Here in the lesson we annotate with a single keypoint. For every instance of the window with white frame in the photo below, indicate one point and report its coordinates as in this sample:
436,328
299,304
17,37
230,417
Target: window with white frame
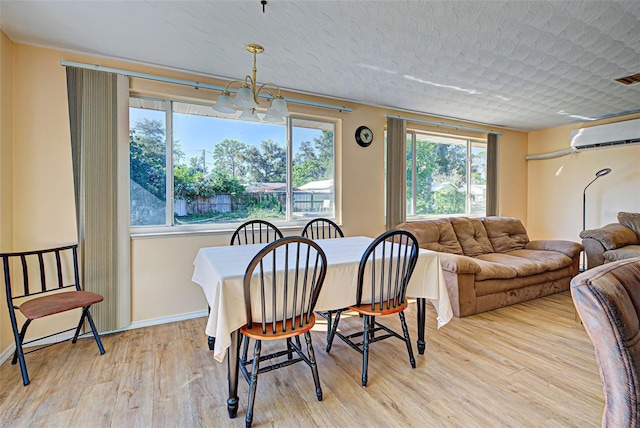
192,167
445,175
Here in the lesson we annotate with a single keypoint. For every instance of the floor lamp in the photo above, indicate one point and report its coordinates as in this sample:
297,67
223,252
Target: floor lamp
599,174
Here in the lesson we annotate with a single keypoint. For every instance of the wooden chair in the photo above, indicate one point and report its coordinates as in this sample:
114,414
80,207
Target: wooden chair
281,307
322,228
383,277
34,283
251,232
255,232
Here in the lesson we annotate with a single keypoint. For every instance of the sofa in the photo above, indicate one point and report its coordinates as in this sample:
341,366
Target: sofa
489,262
615,241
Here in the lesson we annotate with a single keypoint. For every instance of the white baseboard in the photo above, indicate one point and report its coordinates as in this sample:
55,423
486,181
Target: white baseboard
8,353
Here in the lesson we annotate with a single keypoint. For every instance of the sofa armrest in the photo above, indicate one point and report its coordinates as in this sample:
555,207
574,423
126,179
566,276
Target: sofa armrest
458,264
594,251
612,236
569,248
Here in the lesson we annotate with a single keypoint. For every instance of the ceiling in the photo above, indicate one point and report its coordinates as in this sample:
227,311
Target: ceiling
524,65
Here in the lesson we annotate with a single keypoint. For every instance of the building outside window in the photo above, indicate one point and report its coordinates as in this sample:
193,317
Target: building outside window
446,176
192,167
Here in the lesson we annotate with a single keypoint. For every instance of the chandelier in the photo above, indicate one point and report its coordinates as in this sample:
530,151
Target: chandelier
246,98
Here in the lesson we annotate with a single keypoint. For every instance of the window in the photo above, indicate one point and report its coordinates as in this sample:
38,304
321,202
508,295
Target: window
193,167
445,175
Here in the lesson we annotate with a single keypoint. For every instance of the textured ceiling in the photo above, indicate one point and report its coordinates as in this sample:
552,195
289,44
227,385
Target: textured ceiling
520,64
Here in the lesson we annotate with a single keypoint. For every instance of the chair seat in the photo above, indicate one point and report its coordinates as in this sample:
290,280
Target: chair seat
56,303
255,332
365,309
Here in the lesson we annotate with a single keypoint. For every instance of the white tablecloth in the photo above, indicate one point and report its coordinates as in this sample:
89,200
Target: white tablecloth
220,271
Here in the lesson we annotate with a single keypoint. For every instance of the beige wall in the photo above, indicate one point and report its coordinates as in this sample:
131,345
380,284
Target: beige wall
556,185
161,267
6,172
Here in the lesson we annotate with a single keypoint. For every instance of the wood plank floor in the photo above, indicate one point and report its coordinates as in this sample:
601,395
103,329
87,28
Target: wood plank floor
528,365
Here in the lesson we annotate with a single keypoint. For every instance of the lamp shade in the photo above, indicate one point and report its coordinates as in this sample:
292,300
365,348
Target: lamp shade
244,98
224,104
249,115
278,107
273,118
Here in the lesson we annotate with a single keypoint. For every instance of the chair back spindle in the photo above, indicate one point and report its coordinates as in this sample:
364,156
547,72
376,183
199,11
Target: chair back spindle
385,269
322,228
289,274
255,232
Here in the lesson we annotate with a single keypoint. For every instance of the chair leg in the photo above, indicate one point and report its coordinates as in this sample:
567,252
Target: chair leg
365,349
289,349
253,382
332,332
77,333
407,340
245,348
23,332
96,336
329,316
314,365
372,330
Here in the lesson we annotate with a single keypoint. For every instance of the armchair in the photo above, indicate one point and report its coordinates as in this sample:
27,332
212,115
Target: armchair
615,241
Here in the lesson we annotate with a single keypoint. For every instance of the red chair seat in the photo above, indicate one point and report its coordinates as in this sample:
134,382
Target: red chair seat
56,303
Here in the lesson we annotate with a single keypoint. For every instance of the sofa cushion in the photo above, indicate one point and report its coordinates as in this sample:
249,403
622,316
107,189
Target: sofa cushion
471,235
522,266
611,236
631,220
435,235
505,233
553,259
628,252
492,270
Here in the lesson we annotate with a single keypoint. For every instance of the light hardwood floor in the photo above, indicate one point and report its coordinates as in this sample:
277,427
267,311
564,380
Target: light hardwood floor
528,365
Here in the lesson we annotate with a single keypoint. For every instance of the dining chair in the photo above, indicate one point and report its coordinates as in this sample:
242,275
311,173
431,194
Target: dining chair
281,306
255,232
383,276
322,228
43,283
250,232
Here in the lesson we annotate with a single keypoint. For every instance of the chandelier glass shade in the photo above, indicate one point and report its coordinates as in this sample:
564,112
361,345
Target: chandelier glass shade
246,97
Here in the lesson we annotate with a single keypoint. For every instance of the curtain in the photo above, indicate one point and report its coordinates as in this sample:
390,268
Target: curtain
492,175
396,210
98,116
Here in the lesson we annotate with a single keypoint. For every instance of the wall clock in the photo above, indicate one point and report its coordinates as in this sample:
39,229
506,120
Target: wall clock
364,136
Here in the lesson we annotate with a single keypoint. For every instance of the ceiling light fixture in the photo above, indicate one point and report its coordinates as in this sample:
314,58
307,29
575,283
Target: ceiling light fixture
246,98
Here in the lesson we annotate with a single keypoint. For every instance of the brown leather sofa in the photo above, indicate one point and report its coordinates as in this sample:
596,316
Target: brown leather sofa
490,263
607,299
615,241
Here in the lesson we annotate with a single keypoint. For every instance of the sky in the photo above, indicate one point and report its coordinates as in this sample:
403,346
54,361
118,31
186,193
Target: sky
196,133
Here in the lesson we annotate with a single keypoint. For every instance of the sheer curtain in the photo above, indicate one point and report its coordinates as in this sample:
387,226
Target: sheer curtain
98,116
492,175
396,211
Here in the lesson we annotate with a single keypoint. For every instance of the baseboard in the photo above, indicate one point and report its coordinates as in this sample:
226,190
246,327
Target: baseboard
8,353
162,320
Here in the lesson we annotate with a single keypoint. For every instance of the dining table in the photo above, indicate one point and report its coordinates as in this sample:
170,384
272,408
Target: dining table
220,272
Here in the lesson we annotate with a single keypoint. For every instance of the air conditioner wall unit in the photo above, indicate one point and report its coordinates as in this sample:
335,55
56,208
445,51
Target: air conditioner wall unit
611,134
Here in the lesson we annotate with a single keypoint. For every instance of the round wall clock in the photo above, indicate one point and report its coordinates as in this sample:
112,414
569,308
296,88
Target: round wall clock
364,136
